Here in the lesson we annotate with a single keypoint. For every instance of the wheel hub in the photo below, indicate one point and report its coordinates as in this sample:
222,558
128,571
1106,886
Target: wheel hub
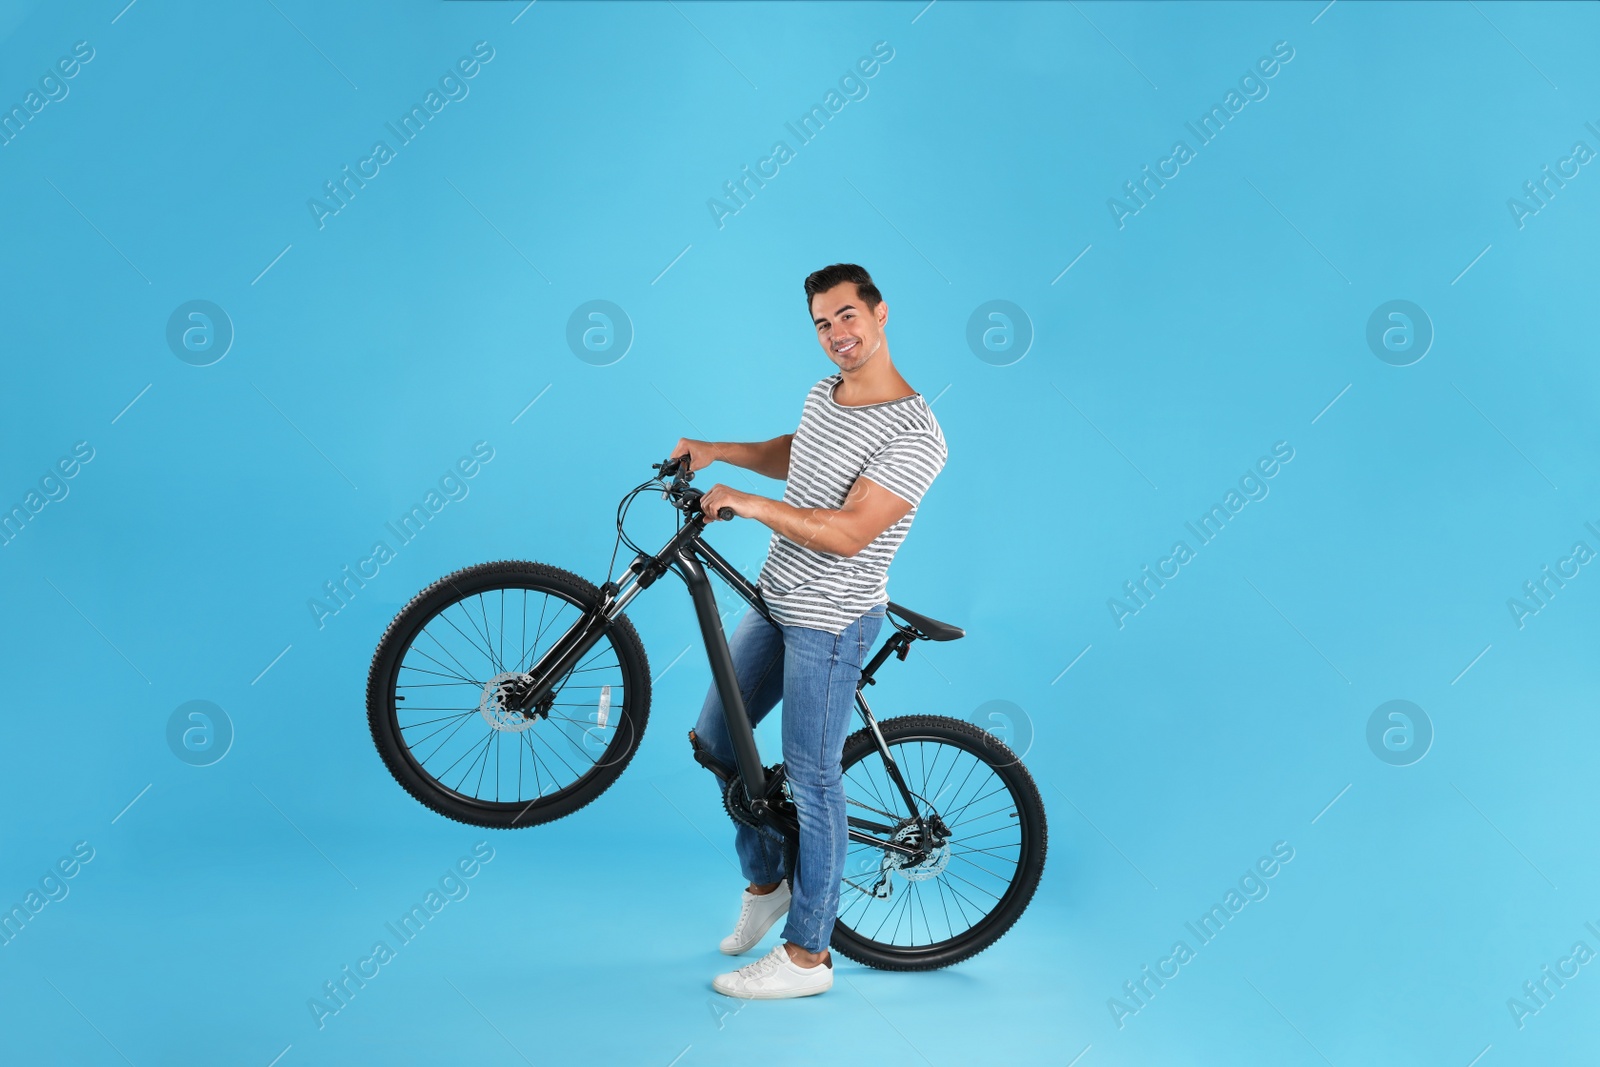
500,695
934,850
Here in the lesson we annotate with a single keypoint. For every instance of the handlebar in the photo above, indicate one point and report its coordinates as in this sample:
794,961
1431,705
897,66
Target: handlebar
677,468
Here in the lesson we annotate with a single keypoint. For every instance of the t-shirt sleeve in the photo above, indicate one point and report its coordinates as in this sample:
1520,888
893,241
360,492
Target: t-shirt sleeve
907,464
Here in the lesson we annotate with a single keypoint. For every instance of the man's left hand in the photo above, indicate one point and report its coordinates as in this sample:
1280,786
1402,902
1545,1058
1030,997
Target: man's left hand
743,504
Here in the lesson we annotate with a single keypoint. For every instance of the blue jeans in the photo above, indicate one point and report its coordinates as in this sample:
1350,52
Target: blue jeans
814,673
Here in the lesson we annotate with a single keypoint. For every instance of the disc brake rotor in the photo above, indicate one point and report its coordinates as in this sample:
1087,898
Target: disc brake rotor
498,693
932,864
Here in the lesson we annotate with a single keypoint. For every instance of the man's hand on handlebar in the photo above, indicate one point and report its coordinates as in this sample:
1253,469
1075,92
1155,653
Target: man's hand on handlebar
701,453
721,497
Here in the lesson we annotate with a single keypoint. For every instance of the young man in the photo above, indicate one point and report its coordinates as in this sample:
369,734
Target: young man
865,452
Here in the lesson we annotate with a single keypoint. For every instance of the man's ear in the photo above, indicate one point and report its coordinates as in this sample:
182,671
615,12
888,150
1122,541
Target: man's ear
883,313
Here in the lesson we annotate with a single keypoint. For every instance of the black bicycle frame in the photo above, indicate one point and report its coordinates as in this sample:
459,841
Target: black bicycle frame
689,556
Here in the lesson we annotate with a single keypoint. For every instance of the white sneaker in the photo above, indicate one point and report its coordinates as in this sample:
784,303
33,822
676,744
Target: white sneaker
775,976
756,916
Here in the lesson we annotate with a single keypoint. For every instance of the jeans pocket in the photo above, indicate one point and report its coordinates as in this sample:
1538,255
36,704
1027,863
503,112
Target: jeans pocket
873,621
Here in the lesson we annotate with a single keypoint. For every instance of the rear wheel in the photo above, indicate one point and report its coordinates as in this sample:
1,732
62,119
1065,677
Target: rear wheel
981,842
442,680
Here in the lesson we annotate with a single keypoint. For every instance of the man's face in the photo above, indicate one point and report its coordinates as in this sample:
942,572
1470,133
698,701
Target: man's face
846,330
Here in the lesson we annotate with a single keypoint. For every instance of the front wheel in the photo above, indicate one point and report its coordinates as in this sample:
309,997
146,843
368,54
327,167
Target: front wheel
981,861
441,687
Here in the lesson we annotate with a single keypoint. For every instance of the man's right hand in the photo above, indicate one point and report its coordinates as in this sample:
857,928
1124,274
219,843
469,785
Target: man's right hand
701,453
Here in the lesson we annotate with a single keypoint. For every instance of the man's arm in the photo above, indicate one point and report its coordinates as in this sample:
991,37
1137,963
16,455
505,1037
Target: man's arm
868,510
769,458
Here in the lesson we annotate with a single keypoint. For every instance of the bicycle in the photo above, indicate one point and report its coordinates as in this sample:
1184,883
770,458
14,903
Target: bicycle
947,828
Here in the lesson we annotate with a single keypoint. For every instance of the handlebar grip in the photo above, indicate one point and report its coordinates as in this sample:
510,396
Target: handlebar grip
724,513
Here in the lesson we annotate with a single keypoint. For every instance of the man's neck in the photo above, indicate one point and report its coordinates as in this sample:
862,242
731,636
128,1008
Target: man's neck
873,382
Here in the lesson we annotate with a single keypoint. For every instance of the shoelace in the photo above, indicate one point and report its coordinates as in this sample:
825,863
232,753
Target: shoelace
744,916
764,966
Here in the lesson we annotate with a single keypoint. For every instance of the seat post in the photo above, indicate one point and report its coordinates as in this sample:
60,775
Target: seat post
897,641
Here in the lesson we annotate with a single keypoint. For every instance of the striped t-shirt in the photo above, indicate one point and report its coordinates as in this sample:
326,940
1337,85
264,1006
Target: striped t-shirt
899,445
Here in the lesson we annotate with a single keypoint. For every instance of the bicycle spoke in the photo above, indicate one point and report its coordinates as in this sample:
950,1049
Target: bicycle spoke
973,884
876,811
870,784
533,653
488,743
916,891
877,794
954,851
537,777
944,904
444,615
522,642
413,744
468,752
893,908
986,833
428,632
958,812
558,756
447,672
427,722
970,771
488,636
981,867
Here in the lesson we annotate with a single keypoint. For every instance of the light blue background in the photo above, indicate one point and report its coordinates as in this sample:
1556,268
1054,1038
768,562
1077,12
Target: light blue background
425,316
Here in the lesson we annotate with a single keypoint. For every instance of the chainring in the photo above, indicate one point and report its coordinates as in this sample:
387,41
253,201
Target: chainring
738,805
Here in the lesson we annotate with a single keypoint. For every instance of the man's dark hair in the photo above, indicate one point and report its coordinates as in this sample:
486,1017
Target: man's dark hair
828,277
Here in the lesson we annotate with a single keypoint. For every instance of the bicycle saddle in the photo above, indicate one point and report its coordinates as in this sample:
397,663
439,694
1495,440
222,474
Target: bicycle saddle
932,629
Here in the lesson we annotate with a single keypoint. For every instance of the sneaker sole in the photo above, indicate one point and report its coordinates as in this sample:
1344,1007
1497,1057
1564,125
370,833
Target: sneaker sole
787,995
